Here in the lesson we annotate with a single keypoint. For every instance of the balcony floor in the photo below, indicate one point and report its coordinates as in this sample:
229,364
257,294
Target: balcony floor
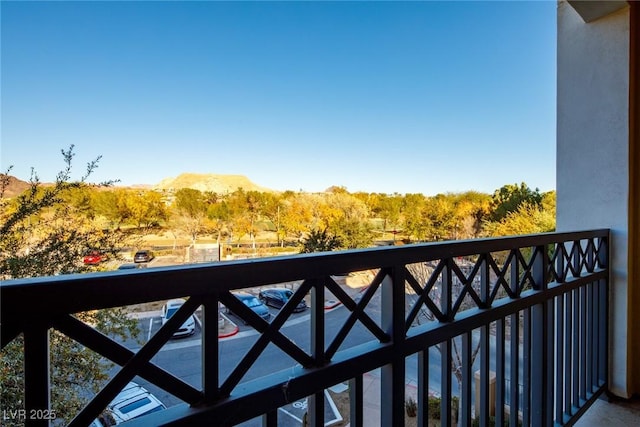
616,412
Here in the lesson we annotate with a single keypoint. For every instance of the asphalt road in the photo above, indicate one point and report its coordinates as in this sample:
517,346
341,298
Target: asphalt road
183,356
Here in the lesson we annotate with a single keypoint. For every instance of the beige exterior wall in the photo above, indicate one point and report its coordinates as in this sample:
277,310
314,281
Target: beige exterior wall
593,151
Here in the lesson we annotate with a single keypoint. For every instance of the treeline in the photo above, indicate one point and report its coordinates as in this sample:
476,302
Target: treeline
349,220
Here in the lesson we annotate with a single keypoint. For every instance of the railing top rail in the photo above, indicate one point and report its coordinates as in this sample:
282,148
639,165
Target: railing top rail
64,294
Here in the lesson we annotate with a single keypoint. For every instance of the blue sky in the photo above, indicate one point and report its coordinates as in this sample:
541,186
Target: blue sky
407,97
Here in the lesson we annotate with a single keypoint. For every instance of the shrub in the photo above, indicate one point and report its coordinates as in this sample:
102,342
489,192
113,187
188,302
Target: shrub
434,408
411,406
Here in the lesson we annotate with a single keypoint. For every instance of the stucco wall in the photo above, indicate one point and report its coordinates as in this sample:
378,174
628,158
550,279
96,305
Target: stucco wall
592,149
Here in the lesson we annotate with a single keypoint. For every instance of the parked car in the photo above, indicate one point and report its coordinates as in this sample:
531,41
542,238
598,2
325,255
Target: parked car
254,304
143,256
132,402
131,266
278,297
94,258
189,325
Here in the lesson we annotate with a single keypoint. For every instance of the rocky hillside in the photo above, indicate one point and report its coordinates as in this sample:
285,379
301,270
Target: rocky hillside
15,186
209,182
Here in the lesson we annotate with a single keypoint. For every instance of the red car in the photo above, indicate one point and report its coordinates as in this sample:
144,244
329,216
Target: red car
94,257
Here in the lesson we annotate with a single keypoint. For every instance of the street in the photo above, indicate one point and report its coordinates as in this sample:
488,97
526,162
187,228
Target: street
183,356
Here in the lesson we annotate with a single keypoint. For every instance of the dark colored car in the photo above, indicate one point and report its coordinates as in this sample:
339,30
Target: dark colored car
131,266
94,258
278,297
143,256
254,304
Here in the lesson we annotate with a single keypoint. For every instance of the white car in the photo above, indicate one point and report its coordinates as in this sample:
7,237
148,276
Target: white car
189,325
132,402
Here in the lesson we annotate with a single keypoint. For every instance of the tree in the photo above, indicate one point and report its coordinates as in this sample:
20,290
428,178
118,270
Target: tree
271,209
320,241
353,233
528,219
413,208
42,234
189,212
389,209
471,208
296,215
146,209
508,198
219,217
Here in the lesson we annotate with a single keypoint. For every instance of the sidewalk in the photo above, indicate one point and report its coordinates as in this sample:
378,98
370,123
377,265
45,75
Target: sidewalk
371,398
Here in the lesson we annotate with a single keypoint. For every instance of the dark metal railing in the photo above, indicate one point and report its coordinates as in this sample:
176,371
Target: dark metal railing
527,316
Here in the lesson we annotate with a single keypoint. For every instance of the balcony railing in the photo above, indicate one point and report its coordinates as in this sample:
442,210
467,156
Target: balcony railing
532,308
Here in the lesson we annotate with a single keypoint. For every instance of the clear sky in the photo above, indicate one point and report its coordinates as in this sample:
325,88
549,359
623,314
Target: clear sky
407,97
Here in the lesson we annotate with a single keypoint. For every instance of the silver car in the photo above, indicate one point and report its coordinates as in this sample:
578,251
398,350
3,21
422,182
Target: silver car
189,325
132,402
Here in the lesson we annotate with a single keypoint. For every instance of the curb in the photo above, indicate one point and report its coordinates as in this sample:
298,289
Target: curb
329,304
150,314
229,334
235,331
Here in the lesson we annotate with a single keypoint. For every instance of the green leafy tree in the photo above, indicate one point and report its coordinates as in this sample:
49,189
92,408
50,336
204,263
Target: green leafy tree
508,198
353,233
320,241
41,234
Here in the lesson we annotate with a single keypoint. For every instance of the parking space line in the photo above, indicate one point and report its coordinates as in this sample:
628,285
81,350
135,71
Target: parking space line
150,326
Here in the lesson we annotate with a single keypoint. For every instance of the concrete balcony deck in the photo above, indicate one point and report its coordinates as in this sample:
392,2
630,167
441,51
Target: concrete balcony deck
613,412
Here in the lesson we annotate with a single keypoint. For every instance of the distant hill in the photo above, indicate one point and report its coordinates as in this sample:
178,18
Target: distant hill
15,187
221,184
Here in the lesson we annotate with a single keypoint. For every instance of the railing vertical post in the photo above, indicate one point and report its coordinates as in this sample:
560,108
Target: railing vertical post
393,374
37,397
559,368
445,382
526,367
568,374
575,345
423,387
591,349
603,348
467,378
315,408
270,419
514,374
542,392
500,371
485,284
603,301
355,401
210,352
316,401
317,322
446,355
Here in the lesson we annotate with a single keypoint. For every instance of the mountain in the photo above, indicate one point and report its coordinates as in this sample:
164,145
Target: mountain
15,186
221,184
